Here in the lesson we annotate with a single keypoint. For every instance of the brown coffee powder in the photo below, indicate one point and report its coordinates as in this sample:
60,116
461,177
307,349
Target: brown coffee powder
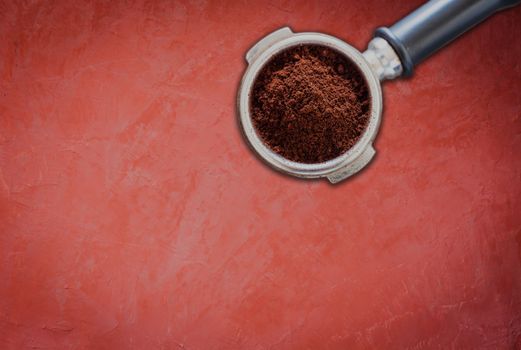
310,104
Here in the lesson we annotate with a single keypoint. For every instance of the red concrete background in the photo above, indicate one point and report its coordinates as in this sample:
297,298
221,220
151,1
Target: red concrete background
133,216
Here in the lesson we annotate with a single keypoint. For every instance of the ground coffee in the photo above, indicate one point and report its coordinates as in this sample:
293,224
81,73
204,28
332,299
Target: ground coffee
310,104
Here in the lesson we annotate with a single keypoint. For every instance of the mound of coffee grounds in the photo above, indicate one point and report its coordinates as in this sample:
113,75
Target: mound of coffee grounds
310,104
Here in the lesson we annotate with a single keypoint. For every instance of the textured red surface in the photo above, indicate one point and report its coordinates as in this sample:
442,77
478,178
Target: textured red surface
132,214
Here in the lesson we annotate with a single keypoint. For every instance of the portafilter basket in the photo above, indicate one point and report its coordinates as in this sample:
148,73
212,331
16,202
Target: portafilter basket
392,53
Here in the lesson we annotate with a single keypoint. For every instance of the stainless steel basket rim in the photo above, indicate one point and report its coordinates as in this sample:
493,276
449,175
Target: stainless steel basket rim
304,169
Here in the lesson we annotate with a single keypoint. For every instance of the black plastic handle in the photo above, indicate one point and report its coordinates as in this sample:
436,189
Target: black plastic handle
434,25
